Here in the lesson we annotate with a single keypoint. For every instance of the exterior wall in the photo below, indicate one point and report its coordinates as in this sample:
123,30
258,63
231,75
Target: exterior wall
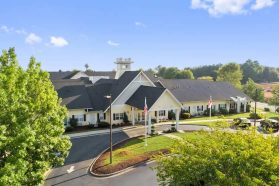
193,106
94,79
79,75
130,90
91,117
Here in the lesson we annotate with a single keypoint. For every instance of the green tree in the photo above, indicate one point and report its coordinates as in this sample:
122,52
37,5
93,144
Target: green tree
275,96
206,70
221,158
269,74
251,69
185,74
253,91
31,123
230,73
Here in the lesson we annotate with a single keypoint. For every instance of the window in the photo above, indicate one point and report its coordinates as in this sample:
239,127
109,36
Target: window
80,118
200,108
162,113
118,116
222,106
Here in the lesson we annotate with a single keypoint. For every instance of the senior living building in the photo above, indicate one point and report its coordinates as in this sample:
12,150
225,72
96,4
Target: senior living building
88,95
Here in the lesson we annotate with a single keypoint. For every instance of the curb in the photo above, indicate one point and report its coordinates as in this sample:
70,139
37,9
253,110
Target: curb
117,172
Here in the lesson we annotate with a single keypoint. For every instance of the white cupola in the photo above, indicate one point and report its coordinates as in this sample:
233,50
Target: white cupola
123,64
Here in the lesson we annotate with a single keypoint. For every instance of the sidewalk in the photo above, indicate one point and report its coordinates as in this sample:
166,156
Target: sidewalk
103,131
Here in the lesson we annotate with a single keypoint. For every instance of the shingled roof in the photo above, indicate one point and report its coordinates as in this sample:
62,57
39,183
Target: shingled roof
200,90
80,93
151,94
73,93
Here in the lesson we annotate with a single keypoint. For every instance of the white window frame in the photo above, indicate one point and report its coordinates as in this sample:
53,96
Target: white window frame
161,113
80,118
118,116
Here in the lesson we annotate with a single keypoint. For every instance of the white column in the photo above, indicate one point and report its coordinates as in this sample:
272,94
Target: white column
238,105
133,115
177,112
245,104
149,123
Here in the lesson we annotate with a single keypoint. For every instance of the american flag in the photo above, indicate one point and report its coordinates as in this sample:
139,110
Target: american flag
210,102
145,106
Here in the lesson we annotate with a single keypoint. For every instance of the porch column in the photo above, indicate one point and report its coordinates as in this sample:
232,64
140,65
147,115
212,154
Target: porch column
133,116
149,123
238,105
177,112
245,104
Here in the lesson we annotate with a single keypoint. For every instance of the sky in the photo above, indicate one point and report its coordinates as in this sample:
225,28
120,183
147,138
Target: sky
67,34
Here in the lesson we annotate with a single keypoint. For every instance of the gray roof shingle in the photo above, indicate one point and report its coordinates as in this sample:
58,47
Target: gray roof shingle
151,93
73,93
200,90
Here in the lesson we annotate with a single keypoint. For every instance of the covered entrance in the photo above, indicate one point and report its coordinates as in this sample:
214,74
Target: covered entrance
159,102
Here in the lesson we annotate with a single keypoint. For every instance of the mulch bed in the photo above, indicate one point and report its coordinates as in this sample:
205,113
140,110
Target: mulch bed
101,168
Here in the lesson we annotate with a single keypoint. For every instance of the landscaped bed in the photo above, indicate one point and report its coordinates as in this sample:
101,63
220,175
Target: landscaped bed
133,152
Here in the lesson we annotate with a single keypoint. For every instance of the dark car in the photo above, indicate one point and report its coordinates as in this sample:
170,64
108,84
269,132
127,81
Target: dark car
242,123
270,125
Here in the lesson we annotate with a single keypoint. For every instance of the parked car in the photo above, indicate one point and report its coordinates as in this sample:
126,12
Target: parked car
242,123
270,125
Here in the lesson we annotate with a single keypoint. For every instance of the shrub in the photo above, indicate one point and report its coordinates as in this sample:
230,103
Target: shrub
223,111
277,109
241,123
91,126
213,112
152,130
69,129
232,111
171,115
73,122
270,126
153,120
221,158
185,115
103,124
267,109
125,118
248,108
172,129
258,115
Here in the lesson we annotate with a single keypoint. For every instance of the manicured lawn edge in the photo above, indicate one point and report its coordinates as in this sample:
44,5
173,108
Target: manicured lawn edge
126,169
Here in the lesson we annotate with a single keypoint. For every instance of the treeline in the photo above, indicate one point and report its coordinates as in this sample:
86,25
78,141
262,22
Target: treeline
250,69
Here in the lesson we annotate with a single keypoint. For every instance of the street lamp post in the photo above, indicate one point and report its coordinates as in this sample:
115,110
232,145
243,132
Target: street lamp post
255,115
110,133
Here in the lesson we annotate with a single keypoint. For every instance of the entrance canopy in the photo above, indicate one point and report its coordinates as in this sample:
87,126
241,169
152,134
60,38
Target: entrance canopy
157,98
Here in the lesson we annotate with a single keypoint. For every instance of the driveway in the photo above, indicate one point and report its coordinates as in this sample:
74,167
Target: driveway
85,149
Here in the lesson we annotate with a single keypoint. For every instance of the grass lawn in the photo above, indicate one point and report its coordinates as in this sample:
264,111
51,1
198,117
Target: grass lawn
134,151
136,147
231,116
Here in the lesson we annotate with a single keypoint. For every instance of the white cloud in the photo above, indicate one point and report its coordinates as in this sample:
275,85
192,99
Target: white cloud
21,31
111,43
33,39
140,24
58,41
234,7
6,29
259,4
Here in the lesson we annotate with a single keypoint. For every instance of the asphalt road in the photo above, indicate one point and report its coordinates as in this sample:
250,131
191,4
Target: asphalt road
85,149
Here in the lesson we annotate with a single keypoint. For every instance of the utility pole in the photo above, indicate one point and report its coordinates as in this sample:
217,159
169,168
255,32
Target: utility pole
110,132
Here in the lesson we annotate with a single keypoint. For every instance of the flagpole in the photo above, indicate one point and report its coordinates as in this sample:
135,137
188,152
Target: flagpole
145,118
210,107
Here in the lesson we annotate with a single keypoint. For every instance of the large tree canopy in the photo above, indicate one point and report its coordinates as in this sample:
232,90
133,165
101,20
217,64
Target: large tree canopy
275,97
31,123
221,158
230,73
253,91
251,69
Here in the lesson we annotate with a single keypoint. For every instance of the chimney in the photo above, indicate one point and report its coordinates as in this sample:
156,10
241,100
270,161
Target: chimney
122,65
